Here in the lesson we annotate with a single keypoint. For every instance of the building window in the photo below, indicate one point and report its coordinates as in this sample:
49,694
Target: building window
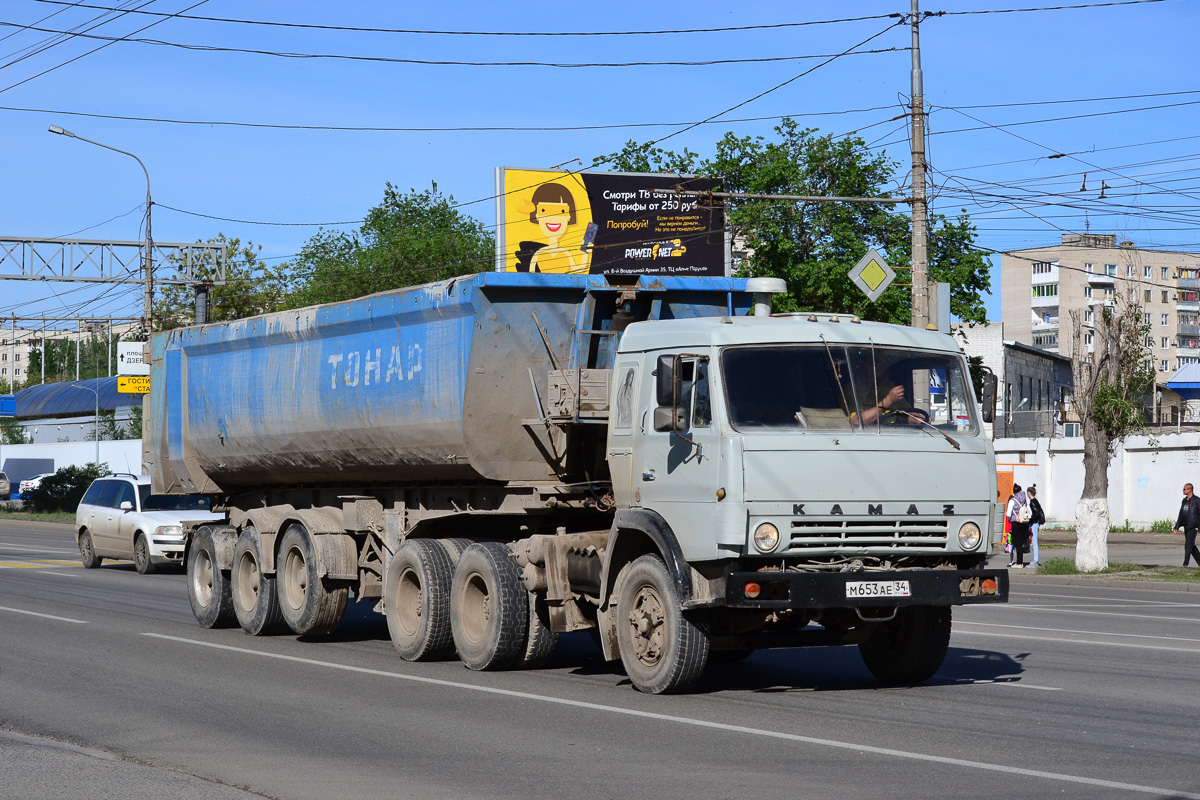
1129,270
1110,270
1162,366
1087,268
1164,273
1147,316
1087,338
1087,291
1109,293
1042,267
1146,272
16,372
1164,343
1087,317
1147,295
16,356
1164,295
1048,290
1164,320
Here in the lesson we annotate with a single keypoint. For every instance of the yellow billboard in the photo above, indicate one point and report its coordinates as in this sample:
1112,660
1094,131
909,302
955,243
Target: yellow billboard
133,384
547,215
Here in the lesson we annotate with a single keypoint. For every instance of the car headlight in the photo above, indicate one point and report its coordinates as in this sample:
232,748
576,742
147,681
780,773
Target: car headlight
969,536
766,537
174,531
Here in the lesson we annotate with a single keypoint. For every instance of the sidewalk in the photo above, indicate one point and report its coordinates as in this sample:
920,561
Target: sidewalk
1148,549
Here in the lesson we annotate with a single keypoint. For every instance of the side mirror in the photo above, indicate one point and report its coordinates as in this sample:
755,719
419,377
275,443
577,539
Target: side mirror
667,418
126,505
664,387
989,398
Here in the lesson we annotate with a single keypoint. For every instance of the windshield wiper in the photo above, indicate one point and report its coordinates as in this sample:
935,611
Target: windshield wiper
931,427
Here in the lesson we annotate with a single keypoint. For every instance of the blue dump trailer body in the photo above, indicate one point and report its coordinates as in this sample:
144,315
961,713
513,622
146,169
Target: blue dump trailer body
428,383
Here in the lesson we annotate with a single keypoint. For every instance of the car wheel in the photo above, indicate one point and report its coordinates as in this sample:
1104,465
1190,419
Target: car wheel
141,555
87,550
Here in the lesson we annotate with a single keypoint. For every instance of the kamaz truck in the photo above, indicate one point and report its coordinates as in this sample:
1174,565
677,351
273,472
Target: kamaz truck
493,460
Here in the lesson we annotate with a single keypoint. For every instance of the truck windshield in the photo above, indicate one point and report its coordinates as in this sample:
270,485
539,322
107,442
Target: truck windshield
846,388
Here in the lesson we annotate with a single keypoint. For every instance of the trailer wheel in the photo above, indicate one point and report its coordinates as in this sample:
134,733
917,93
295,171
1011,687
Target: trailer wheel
141,555
489,608
540,641
255,602
663,652
310,607
208,587
454,549
416,601
910,648
87,550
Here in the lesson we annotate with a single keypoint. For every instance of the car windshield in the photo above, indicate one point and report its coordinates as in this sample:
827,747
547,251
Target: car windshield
171,502
846,388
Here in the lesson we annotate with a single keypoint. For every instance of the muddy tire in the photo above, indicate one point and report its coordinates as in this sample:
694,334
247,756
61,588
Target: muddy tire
454,549
539,639
489,608
416,601
910,648
255,600
208,587
311,607
141,555
87,550
663,652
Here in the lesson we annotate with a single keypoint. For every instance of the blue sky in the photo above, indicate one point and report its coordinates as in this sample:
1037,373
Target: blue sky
983,74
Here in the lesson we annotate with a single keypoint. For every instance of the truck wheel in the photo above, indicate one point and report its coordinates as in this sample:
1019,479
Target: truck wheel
310,608
663,652
539,640
489,608
87,550
208,587
255,602
141,555
416,601
910,648
454,549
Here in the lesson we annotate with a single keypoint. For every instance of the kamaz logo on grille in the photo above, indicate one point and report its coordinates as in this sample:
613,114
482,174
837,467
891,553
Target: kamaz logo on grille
873,509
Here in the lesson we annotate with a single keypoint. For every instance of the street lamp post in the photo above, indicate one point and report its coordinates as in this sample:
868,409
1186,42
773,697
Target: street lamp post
97,432
148,256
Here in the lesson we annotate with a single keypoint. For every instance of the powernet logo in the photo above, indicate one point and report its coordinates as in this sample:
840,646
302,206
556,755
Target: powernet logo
656,250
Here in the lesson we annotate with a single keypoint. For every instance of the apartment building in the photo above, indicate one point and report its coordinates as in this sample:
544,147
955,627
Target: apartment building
17,343
1041,287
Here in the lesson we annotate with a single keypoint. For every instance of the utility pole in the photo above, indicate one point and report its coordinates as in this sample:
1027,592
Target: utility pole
920,209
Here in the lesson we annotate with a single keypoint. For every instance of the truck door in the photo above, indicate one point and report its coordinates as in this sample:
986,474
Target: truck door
680,466
625,414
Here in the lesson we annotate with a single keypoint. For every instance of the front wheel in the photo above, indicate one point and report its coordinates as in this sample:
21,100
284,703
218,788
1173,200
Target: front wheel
663,652
910,648
141,555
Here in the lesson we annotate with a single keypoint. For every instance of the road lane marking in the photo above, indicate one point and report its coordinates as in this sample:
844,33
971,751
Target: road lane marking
44,616
701,723
1089,597
37,564
1080,641
4,547
1008,607
60,574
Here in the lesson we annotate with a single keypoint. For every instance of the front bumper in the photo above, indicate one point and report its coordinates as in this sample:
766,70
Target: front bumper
925,587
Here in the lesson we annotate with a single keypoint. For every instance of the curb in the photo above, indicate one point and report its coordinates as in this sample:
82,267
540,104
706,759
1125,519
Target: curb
1103,581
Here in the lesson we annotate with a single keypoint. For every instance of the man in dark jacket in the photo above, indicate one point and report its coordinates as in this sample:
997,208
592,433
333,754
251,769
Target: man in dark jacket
1189,522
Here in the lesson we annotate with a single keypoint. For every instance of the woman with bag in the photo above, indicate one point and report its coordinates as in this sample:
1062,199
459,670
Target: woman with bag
1019,516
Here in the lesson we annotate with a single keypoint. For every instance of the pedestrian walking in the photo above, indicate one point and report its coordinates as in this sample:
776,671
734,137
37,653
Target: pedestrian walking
1189,523
1037,519
1019,516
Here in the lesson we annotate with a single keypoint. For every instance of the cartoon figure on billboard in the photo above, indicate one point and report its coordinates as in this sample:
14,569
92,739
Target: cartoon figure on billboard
552,209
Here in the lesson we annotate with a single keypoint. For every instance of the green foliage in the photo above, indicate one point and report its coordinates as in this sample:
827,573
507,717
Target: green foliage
97,357
1063,566
1162,526
110,429
409,238
12,432
978,373
251,287
1126,528
813,246
135,422
63,490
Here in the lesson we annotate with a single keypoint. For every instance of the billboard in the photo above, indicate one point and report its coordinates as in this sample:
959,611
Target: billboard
607,223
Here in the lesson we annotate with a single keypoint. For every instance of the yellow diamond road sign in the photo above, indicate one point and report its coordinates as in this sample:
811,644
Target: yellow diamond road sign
133,384
873,275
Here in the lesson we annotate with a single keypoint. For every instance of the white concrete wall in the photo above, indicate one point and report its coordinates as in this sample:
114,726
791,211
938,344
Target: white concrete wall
1145,477
20,461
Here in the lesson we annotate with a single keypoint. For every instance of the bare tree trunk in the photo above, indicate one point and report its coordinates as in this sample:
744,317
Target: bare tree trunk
1092,522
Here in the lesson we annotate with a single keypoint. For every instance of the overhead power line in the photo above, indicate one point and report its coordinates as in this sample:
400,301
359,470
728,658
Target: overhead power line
208,48
413,31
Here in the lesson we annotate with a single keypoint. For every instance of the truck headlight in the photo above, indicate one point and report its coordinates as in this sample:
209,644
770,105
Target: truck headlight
171,531
969,536
766,537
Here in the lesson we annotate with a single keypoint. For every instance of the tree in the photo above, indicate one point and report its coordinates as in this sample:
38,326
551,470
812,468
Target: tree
251,287
1111,386
12,432
409,238
63,490
96,356
135,421
813,246
110,429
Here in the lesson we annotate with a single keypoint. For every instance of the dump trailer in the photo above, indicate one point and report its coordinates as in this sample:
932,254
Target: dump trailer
496,459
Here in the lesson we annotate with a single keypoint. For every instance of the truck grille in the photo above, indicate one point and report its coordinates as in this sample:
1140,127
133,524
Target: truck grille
875,534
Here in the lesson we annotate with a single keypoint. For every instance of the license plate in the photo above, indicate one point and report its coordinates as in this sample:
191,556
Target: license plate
878,589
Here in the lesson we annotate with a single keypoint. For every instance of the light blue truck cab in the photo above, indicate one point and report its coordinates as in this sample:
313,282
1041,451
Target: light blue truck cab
499,458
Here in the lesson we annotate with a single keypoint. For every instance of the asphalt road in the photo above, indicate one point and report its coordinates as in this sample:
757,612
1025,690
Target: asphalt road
1072,692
